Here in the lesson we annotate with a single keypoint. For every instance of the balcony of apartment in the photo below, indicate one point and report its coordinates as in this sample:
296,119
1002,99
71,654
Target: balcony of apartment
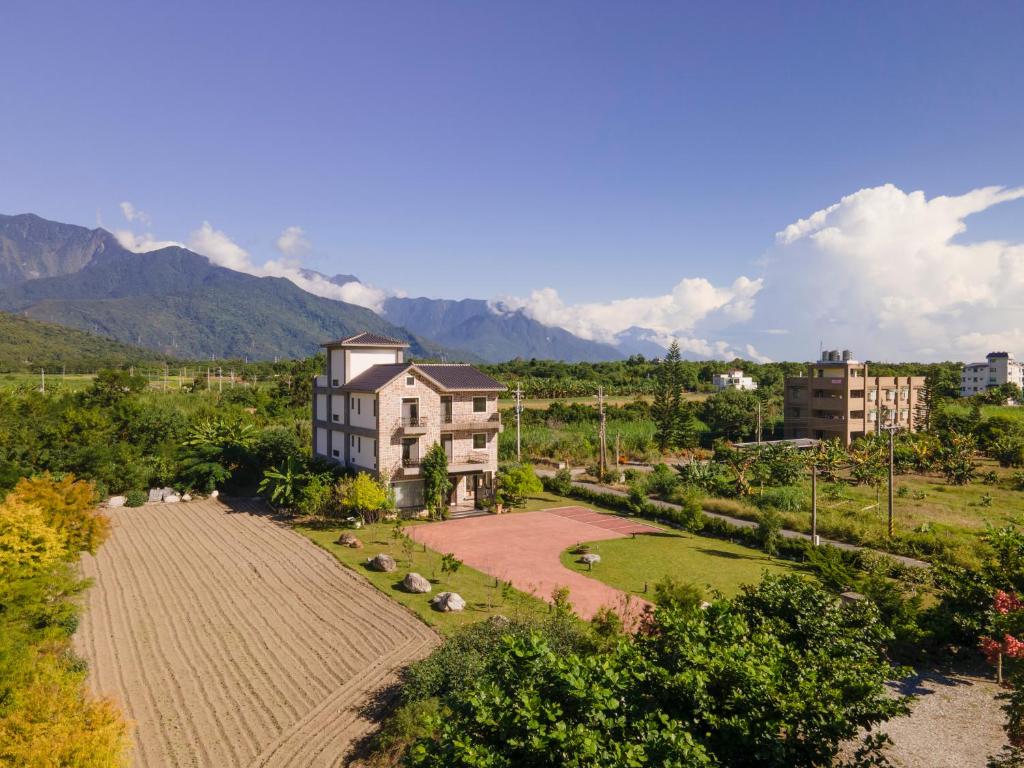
411,425
410,467
474,461
478,422
831,416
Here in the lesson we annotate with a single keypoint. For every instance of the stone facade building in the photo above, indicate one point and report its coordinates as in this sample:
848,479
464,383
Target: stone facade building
373,412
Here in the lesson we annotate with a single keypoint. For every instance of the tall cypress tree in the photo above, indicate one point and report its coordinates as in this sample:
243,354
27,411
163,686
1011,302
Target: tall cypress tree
667,408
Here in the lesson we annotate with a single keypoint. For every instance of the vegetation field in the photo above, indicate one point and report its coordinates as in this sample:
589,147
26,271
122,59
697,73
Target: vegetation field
636,564
484,596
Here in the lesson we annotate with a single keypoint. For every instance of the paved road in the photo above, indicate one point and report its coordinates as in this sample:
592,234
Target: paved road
739,521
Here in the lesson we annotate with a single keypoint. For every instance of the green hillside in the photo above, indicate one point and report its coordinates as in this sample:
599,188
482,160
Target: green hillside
28,345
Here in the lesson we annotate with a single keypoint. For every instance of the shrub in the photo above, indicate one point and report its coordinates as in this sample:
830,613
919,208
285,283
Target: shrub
317,497
364,496
784,499
673,594
69,506
516,482
135,498
561,483
662,481
769,525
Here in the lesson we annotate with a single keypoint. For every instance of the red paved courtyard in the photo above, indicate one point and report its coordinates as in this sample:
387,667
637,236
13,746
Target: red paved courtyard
524,548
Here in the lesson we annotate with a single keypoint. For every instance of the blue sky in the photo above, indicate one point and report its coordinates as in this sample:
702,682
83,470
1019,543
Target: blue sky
604,150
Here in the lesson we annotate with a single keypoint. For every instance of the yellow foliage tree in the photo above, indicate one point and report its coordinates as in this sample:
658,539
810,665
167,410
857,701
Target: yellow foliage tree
69,506
27,544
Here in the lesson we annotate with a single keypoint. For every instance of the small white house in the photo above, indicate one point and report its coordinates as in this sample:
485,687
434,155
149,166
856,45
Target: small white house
999,368
733,380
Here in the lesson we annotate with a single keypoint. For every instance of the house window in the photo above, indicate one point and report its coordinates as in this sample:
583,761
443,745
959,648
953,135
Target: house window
336,416
479,404
359,444
334,382
375,407
479,440
410,381
336,453
353,440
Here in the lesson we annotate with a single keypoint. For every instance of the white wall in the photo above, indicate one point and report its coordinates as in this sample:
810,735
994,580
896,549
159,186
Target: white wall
338,409
338,439
362,452
361,359
360,411
321,441
337,367
321,407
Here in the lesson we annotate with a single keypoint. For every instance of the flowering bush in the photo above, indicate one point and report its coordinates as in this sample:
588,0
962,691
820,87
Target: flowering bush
1005,651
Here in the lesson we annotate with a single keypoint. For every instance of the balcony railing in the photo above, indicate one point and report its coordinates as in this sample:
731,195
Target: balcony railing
411,462
476,420
412,425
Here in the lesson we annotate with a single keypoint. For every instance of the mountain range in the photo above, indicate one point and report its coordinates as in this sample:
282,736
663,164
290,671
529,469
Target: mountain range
178,303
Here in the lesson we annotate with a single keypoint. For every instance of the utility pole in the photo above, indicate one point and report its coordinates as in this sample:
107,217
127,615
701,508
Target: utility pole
603,461
892,428
207,378
814,503
617,453
519,410
758,423
220,379
42,380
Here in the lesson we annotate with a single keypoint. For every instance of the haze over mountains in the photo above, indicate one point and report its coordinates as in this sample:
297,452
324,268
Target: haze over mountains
177,302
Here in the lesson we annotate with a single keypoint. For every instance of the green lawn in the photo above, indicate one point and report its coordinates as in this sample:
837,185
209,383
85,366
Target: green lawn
712,564
930,516
483,598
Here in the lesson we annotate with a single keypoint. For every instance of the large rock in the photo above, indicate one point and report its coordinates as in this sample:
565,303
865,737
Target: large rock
172,498
156,494
448,601
186,497
116,501
590,559
348,540
413,582
382,562
165,492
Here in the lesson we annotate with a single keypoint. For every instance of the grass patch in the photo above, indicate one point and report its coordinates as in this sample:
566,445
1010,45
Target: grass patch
483,597
713,564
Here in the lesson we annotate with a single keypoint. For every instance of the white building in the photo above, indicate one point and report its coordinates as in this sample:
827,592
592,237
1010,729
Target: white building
733,380
999,368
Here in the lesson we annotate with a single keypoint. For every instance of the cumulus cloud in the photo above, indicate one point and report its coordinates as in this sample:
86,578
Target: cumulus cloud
882,272
292,243
674,314
141,243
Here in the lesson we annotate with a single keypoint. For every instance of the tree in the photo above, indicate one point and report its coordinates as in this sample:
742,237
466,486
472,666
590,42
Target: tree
436,485
957,458
28,545
731,414
364,496
516,482
68,506
283,486
667,408
112,386
750,681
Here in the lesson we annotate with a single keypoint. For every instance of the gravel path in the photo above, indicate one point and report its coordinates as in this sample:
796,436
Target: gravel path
232,641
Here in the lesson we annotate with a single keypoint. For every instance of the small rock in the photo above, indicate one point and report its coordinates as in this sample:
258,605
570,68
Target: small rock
214,494
448,601
172,498
390,517
116,501
348,540
186,497
156,494
413,582
382,562
422,514
590,559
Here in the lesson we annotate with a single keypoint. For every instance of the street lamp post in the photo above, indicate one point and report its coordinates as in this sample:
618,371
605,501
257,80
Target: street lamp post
892,428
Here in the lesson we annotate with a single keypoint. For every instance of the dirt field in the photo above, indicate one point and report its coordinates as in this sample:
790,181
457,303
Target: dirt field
232,641
524,548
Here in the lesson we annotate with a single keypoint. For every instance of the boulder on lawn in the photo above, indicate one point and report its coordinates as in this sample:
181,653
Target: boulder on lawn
413,582
590,558
156,494
448,601
172,498
116,501
348,540
382,562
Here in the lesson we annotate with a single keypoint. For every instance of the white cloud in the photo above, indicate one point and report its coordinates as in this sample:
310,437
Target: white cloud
141,243
221,250
880,273
292,243
676,314
133,214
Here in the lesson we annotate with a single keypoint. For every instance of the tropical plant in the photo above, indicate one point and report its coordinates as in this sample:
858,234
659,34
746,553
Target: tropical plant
283,486
957,458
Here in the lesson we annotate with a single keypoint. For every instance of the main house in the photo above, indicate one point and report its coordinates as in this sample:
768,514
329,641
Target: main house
839,398
373,412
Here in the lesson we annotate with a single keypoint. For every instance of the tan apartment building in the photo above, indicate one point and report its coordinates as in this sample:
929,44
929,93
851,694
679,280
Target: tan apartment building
373,412
839,398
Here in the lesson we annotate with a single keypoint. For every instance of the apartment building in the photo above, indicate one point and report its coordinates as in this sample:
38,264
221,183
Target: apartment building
373,412
733,380
839,398
999,368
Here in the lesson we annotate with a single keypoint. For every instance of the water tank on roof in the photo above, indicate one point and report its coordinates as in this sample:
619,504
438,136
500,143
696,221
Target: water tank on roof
847,355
